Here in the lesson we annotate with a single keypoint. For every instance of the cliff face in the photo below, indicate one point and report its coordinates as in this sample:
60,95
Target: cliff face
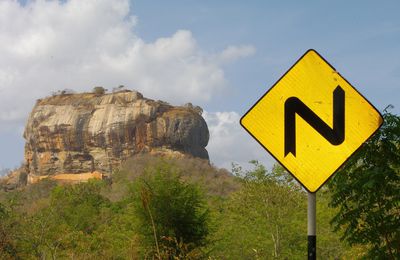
83,133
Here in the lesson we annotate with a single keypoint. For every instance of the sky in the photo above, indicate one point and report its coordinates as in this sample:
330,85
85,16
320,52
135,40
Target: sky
220,55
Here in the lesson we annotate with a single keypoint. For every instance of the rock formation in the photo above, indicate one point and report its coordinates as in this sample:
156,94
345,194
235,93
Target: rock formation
13,179
95,132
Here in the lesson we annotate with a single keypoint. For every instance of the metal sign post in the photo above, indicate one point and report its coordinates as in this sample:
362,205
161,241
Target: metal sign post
312,226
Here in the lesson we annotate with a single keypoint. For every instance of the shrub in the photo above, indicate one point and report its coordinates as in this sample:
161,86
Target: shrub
171,212
98,90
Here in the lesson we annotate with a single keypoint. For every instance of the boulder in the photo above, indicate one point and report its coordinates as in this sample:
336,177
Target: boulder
92,132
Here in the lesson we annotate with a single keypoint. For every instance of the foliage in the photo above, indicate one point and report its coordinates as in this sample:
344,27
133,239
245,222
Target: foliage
119,89
99,90
69,221
367,193
269,214
7,244
267,218
257,214
78,205
66,91
216,182
170,211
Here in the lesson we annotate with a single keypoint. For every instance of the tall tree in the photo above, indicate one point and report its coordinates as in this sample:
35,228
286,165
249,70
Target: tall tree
366,192
172,213
267,219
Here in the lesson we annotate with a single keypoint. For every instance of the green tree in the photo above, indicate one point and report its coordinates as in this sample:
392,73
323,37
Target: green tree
67,225
44,235
172,213
264,219
8,248
367,193
80,205
99,90
267,219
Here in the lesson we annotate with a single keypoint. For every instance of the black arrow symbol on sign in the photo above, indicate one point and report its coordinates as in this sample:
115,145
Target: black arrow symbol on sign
334,135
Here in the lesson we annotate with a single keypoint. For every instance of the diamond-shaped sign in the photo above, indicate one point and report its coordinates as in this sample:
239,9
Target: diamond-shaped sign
312,120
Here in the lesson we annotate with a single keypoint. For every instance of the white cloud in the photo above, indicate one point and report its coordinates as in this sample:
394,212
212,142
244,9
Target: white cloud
52,45
229,142
232,53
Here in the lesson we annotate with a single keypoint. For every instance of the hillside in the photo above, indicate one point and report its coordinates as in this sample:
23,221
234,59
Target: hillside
256,216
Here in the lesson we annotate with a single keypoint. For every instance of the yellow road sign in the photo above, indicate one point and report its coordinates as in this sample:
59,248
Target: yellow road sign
312,120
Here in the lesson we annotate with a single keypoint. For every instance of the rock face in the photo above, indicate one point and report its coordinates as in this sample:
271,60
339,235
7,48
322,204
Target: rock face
81,133
13,180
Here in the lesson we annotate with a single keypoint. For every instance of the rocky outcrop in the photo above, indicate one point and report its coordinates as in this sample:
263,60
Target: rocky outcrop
13,180
95,132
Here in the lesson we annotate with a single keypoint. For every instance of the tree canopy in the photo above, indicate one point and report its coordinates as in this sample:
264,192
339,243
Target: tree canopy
367,193
170,211
192,210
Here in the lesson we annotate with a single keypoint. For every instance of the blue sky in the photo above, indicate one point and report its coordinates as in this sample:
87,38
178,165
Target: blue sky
360,38
235,50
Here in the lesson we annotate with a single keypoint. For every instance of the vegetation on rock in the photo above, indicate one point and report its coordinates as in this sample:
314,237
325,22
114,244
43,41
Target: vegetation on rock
99,90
